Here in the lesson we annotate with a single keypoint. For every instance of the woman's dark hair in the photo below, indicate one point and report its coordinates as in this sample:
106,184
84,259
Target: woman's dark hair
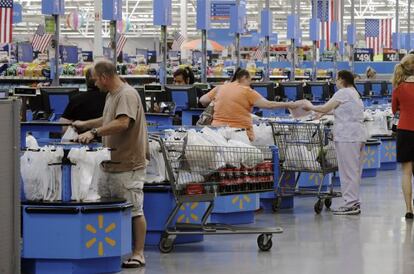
186,73
239,74
347,77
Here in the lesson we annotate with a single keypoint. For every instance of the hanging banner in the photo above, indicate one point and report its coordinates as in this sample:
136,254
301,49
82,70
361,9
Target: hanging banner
17,13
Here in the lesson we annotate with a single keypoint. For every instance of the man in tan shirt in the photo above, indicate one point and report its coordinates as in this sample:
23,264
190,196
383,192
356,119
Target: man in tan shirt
123,128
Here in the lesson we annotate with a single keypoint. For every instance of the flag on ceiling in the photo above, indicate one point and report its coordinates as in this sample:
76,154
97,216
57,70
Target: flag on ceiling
41,40
378,33
325,13
260,52
178,40
6,17
120,44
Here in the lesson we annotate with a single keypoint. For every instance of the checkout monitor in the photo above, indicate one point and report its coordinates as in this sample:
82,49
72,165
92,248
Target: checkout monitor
55,99
185,97
267,90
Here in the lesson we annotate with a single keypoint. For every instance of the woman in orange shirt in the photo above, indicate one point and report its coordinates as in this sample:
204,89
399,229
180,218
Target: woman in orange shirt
234,102
403,101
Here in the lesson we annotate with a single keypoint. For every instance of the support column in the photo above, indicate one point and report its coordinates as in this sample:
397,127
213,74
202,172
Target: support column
164,52
314,53
351,49
55,81
267,45
409,26
293,48
341,28
204,56
183,25
97,40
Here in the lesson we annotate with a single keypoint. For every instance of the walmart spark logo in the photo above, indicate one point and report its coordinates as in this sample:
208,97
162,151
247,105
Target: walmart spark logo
390,151
187,213
369,158
316,178
100,230
241,199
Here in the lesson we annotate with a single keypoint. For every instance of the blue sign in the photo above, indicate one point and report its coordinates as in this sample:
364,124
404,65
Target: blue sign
162,12
203,11
314,24
53,7
17,13
69,54
112,10
237,18
220,10
87,56
293,26
266,22
351,29
24,52
334,32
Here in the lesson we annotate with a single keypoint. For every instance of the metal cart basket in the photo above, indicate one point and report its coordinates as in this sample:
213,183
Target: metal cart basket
200,173
305,147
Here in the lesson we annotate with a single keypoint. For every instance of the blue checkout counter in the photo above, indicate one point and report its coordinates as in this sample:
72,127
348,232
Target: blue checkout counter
73,237
371,160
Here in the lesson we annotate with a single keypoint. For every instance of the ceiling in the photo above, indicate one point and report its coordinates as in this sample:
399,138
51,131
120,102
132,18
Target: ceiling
139,13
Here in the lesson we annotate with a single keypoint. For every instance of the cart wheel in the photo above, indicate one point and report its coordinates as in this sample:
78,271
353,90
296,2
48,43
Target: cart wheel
262,245
328,203
166,245
276,204
318,206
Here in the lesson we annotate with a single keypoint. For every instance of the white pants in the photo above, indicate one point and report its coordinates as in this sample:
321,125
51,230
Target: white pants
350,163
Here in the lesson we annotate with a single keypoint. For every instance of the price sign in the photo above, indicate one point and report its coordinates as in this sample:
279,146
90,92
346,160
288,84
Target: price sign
363,55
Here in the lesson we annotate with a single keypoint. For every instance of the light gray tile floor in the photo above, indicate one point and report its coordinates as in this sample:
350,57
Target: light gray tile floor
378,241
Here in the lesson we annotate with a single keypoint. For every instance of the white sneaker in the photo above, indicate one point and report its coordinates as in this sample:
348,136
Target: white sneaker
343,210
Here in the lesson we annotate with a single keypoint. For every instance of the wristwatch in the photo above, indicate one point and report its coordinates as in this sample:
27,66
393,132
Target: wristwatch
94,132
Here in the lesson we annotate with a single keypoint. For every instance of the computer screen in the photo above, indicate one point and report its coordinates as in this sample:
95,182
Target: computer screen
376,88
265,89
55,99
293,91
185,97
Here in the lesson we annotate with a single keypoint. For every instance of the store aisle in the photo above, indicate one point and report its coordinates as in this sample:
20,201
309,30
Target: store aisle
378,241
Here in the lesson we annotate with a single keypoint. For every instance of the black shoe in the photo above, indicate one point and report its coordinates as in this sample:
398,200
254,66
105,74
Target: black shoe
409,215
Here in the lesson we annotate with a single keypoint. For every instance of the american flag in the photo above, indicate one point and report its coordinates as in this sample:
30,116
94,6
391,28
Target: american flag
325,13
378,33
120,44
6,17
178,41
41,39
260,52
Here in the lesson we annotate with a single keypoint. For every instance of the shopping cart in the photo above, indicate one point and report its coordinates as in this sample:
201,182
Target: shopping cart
200,173
305,147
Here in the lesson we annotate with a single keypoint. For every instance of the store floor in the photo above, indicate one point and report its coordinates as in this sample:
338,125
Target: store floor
378,241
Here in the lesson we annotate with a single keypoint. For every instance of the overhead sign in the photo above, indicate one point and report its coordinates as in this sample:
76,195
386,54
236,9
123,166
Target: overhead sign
363,55
220,10
17,13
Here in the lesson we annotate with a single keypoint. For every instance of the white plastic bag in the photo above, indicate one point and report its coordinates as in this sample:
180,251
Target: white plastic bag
70,135
156,172
31,142
42,174
263,135
85,172
234,134
201,154
246,154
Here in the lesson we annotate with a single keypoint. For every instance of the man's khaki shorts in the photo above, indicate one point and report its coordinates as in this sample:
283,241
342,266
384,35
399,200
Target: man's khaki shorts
127,185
